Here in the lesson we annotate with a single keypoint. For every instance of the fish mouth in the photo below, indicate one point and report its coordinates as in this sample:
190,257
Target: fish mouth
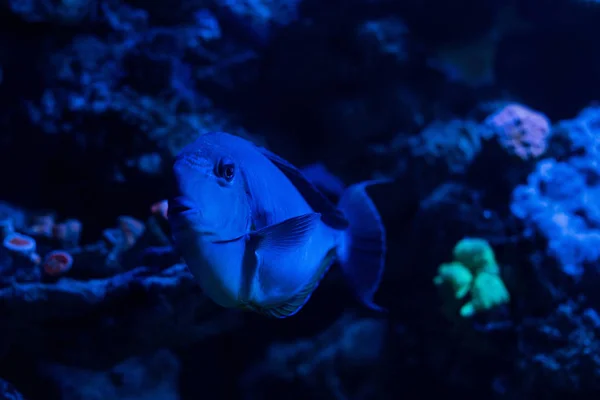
186,226
181,206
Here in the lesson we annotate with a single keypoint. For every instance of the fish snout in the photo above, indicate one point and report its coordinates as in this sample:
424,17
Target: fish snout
182,206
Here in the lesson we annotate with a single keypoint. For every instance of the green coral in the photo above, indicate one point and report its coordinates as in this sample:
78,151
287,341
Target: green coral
457,276
475,272
488,291
477,255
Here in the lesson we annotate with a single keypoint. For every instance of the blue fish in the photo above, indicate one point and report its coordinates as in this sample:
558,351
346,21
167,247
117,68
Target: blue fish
258,235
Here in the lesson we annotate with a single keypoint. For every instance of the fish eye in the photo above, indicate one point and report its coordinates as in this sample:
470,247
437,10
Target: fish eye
226,170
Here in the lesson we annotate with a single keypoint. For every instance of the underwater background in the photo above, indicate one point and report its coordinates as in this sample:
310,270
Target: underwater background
484,114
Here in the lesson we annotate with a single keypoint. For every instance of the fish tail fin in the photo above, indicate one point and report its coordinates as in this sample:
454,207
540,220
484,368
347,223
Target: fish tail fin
363,248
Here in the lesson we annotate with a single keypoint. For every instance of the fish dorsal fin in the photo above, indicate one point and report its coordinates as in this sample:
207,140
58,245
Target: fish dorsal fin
331,215
295,304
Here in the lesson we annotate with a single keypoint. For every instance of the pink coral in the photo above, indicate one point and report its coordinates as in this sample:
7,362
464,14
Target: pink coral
22,246
132,229
57,263
20,243
520,130
160,208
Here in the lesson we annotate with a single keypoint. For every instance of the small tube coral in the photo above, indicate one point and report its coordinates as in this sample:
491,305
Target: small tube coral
68,233
113,237
160,209
158,223
6,227
22,249
42,224
132,229
19,244
57,263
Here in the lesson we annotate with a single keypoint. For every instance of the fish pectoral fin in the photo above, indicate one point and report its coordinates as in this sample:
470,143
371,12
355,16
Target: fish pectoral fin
277,239
277,245
295,304
313,196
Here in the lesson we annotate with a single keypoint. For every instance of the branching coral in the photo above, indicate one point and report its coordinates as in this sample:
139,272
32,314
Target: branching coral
560,200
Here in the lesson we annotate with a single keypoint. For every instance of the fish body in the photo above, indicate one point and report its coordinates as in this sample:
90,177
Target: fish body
258,235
